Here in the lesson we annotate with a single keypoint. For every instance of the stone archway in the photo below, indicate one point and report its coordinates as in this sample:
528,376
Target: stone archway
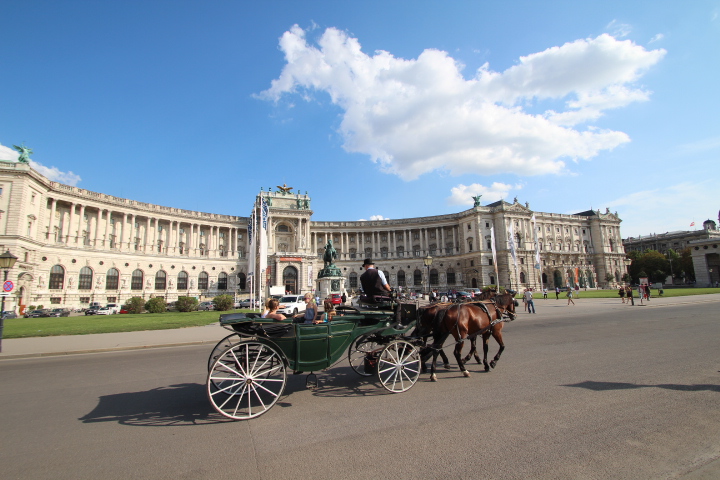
557,279
290,279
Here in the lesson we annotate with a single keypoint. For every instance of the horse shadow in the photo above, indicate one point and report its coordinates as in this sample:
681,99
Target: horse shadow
183,404
606,386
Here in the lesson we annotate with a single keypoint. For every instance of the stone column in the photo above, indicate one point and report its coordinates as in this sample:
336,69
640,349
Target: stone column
108,216
81,220
70,223
51,223
123,229
442,241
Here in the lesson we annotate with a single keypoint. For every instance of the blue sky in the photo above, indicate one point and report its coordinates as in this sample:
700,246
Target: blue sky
377,109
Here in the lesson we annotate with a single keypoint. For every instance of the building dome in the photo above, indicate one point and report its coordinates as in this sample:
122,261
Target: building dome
709,225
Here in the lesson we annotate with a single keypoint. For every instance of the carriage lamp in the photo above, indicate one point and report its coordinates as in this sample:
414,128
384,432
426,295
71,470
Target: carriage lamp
428,261
7,261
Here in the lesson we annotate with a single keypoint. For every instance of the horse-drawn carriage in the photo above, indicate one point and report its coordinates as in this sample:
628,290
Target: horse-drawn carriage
248,369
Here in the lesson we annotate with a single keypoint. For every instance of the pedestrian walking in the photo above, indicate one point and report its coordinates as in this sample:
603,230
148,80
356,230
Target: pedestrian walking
528,296
557,293
569,296
621,292
544,293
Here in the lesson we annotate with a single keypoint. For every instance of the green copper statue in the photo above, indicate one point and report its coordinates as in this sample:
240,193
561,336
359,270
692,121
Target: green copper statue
477,200
24,153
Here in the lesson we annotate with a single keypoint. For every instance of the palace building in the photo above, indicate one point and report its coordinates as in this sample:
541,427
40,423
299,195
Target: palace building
75,246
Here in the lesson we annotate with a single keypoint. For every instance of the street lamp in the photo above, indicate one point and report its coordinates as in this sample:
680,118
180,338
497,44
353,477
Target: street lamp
628,262
7,261
428,261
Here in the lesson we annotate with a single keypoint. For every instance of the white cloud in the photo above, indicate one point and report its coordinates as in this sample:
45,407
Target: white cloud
421,115
51,173
462,194
374,217
619,29
657,38
665,209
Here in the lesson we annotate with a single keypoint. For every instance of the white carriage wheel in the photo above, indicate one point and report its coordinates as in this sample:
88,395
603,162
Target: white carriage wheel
398,367
356,356
246,380
221,346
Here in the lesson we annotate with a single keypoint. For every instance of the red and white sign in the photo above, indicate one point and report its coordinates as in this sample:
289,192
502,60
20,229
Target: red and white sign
8,286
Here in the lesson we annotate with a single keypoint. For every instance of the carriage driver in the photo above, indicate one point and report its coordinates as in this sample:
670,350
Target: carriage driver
373,281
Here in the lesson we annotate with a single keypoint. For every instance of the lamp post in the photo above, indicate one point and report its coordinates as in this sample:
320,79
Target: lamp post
7,261
428,261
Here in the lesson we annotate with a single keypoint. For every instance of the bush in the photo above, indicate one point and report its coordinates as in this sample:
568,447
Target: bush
223,302
135,305
186,304
31,307
155,305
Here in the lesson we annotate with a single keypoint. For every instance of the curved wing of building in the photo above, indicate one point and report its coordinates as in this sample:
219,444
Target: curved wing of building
76,247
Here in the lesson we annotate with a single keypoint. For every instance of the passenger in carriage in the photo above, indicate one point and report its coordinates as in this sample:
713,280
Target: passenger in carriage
328,310
373,281
271,308
311,309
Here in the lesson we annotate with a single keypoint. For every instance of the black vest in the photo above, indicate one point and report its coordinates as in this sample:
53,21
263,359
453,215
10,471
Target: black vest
371,283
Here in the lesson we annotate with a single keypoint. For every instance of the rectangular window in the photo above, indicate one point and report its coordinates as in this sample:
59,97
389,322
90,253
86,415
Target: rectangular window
111,299
490,261
55,300
84,299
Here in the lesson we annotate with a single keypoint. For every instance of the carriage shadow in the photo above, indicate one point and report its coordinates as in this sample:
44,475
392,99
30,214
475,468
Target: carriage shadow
172,406
606,386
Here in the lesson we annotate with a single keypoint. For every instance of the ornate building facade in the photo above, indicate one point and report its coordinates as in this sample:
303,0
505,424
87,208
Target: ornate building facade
75,246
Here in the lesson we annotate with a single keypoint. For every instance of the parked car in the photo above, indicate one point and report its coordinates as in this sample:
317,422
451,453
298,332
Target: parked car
247,303
336,299
92,310
292,304
59,312
36,313
206,306
114,307
104,311
9,314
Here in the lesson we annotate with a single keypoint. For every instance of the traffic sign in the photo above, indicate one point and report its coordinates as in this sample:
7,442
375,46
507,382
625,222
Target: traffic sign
8,285
4,294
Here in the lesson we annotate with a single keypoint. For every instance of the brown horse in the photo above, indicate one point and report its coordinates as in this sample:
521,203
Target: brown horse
504,306
461,321
426,316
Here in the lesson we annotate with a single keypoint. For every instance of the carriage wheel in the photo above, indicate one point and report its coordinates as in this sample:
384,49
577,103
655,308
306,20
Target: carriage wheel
246,380
398,367
221,346
360,361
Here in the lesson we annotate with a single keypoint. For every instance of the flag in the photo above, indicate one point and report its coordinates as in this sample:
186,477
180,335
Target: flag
511,241
252,254
263,242
494,254
692,224
537,244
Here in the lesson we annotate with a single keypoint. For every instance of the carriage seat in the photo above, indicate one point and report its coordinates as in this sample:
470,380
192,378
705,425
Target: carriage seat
375,302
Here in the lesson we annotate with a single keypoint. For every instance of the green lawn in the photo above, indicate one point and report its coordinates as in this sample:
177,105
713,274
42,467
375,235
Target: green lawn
82,325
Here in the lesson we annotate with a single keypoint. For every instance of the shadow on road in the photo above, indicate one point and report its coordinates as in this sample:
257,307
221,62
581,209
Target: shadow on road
175,405
603,386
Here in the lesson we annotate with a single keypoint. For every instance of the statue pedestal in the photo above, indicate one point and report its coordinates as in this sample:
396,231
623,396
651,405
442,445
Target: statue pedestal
329,285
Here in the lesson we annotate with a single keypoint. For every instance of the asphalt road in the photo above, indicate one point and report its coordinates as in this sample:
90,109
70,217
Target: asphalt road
615,392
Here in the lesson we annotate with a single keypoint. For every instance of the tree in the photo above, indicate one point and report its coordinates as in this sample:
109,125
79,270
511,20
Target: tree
186,304
685,264
156,305
223,302
609,277
135,305
627,278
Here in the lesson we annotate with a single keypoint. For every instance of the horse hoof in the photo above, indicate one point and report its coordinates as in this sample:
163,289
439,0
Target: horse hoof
433,378
492,364
447,366
487,368
466,373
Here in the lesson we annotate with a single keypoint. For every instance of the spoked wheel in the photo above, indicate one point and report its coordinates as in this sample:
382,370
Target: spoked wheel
246,380
399,366
221,346
361,358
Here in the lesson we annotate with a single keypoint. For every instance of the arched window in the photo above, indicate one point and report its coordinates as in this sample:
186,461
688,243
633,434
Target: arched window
182,281
401,278
417,277
544,279
85,279
353,280
57,278
222,281
160,280
492,280
450,276
112,279
242,281
387,275
136,281
522,277
283,228
203,281
433,277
